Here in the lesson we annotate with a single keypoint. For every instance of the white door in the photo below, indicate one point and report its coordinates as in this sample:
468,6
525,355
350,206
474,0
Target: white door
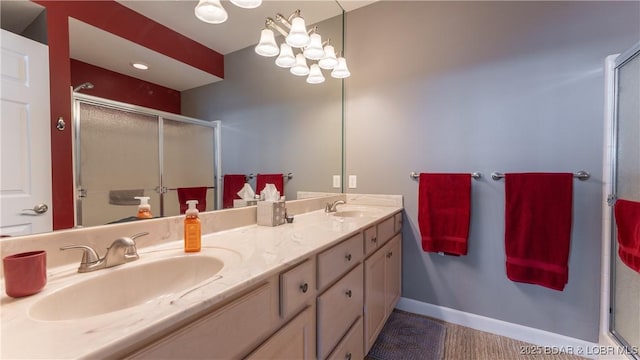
25,138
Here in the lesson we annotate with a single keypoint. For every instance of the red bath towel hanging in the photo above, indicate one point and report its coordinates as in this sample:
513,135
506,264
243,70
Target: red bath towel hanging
538,215
444,212
627,215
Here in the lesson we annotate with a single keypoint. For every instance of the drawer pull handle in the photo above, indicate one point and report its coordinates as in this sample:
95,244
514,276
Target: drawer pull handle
304,287
374,239
348,356
390,254
348,293
348,257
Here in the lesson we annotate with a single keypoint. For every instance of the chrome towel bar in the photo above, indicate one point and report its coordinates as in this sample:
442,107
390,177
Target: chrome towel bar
581,175
476,175
288,176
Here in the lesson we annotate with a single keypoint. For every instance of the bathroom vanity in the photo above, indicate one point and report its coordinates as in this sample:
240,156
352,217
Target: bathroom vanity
320,287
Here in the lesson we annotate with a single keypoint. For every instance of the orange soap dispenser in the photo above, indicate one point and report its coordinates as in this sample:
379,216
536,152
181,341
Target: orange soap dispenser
192,228
144,209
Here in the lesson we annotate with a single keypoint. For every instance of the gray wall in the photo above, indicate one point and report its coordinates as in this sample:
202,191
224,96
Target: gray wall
482,86
274,122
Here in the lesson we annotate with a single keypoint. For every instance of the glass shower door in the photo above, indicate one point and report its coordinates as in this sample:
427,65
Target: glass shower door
625,282
118,159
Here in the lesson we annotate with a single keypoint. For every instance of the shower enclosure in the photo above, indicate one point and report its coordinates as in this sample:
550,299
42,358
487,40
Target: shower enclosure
624,147
123,151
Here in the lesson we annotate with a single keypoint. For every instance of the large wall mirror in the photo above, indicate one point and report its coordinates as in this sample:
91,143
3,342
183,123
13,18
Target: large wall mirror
270,120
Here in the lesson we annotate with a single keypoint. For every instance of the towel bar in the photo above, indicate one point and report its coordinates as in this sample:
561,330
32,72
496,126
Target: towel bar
581,175
476,175
288,176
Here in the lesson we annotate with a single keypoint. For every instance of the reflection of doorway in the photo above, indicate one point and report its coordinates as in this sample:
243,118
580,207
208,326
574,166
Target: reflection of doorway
624,160
123,151
25,186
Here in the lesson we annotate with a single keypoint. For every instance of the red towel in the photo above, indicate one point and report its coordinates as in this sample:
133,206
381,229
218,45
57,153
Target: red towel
275,179
444,212
628,222
538,214
192,193
232,184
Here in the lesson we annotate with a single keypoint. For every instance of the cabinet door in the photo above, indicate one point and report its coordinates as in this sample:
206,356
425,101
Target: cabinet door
393,256
296,340
374,296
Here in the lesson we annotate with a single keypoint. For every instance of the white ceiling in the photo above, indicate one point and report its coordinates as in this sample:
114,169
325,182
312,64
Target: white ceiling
100,48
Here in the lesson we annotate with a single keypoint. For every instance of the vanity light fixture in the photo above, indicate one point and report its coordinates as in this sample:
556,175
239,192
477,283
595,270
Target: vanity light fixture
140,66
212,11
310,45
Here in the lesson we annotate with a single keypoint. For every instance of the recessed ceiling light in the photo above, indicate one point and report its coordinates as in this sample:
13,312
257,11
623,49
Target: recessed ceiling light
139,65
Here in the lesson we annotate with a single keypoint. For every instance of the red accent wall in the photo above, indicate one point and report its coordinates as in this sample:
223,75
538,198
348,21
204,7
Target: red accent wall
115,86
120,20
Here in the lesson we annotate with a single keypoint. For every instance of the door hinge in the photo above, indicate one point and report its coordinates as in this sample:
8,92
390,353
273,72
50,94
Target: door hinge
611,199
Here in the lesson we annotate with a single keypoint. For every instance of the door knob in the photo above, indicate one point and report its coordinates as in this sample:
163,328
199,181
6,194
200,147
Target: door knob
38,209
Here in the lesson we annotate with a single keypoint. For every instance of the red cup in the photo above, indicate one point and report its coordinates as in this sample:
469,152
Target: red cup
25,273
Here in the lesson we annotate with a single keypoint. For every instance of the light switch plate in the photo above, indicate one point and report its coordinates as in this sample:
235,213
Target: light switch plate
353,182
336,181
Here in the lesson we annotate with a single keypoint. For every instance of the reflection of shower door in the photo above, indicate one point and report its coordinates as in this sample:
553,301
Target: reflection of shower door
625,282
118,160
124,151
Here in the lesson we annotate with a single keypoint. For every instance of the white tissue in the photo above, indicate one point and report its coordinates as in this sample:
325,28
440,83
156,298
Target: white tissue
270,193
246,193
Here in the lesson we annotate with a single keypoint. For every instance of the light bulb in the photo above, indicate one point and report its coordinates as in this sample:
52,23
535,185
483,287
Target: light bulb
267,45
298,36
286,58
314,51
329,61
300,68
315,75
211,11
341,71
247,4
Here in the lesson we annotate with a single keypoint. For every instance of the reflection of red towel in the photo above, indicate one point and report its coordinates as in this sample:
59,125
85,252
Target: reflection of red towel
232,184
444,212
538,228
192,193
628,222
275,179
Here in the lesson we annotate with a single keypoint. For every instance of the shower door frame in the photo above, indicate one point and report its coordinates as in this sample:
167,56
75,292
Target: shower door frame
79,98
610,176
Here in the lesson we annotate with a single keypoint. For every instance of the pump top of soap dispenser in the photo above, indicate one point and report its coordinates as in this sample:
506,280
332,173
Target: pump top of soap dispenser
192,210
144,209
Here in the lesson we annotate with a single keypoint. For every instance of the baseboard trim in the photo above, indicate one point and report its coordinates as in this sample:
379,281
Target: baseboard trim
550,341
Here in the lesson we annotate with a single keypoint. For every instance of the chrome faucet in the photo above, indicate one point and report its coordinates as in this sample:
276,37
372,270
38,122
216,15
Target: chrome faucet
329,208
121,250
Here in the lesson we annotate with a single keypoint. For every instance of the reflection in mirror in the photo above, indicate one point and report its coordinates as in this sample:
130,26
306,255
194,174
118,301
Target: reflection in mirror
124,152
271,121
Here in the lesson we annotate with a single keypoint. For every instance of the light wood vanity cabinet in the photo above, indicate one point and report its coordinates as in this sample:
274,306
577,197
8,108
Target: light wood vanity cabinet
329,306
382,287
226,333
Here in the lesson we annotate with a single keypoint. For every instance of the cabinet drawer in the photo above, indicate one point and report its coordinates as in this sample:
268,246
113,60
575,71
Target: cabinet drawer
386,229
350,348
224,334
370,240
336,261
338,308
398,221
296,340
297,286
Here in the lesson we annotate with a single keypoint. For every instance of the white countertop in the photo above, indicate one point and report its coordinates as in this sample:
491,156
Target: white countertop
251,254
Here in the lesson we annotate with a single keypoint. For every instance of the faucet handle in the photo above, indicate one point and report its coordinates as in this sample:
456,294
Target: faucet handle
89,255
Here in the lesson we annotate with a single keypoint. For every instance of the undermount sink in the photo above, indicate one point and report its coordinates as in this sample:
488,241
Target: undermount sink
126,286
354,211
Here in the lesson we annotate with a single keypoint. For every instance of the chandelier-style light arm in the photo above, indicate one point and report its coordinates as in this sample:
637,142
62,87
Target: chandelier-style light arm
270,23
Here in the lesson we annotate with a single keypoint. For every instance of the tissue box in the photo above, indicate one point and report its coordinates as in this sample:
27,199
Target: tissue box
237,203
271,213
